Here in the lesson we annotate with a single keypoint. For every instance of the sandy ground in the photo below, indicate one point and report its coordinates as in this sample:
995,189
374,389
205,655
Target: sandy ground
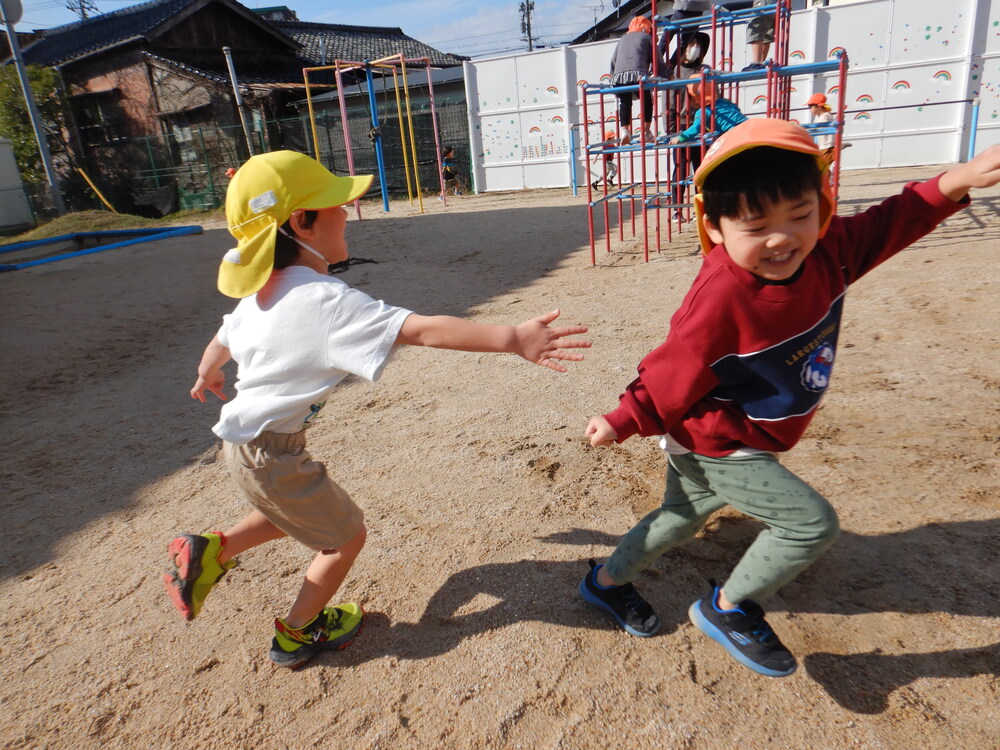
483,504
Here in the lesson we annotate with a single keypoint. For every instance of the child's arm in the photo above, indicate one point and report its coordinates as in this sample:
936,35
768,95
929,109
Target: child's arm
982,171
210,375
694,130
532,339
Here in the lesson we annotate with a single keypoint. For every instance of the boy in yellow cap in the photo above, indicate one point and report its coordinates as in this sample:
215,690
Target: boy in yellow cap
746,362
295,334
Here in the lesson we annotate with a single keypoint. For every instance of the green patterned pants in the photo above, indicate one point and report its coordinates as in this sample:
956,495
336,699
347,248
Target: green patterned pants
800,522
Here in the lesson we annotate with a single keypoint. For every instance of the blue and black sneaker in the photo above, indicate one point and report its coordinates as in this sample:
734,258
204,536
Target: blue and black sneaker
630,610
744,633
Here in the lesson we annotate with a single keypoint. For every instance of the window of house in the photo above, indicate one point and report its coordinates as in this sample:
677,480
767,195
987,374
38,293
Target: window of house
99,117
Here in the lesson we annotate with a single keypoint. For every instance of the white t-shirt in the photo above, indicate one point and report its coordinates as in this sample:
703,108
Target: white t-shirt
294,340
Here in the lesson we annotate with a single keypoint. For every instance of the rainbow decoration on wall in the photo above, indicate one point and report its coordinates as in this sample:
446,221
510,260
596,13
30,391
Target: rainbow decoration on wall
606,78
553,90
797,55
759,99
582,82
862,116
901,86
556,119
726,64
833,90
835,51
534,129
943,75
864,99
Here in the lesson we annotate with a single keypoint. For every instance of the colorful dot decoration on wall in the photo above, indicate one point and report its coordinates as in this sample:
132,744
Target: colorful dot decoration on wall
544,150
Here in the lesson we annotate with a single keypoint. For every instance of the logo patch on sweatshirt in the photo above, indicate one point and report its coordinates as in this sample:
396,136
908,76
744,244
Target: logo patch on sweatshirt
817,368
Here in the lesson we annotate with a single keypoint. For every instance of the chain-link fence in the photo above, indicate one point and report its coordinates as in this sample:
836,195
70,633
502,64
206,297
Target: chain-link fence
185,170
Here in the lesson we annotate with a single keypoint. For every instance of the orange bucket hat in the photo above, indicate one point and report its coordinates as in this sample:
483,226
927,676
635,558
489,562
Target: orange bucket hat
641,23
816,99
754,133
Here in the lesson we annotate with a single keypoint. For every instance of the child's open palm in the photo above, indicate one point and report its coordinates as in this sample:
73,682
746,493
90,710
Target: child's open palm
544,346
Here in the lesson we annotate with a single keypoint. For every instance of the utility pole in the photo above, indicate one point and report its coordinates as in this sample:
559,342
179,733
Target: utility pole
81,7
526,9
238,99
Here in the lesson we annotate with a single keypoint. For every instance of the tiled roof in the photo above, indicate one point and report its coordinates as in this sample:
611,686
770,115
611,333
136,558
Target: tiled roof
64,43
322,43
356,43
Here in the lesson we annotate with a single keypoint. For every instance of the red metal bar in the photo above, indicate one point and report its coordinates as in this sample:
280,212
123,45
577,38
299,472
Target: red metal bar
347,134
590,194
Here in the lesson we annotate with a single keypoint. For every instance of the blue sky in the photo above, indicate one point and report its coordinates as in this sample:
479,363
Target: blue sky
467,27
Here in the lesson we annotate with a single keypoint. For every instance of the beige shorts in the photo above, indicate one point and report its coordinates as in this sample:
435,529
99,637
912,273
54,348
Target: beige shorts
281,480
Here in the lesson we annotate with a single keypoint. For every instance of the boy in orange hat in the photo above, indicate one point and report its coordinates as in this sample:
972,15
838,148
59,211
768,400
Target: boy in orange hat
747,360
295,334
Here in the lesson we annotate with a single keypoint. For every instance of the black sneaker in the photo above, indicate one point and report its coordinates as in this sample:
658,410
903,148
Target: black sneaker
744,633
623,602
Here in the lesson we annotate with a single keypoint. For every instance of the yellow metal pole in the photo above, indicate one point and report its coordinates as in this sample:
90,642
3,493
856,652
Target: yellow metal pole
312,115
94,188
402,136
413,138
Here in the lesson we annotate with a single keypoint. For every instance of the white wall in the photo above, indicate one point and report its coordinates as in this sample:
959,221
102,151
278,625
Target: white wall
14,208
907,60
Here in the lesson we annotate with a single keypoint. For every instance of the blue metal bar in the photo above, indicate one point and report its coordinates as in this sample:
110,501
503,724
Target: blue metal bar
975,126
572,159
378,138
162,235
74,237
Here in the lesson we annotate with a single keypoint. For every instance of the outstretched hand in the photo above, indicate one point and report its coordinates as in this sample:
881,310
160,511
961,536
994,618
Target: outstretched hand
544,346
983,170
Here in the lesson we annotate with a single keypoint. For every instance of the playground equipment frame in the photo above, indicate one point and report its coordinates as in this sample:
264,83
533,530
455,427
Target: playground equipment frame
777,75
394,63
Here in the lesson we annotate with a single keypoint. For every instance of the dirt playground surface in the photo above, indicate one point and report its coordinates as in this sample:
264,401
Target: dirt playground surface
483,503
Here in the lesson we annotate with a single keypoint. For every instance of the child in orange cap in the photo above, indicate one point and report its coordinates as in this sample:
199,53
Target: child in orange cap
715,114
295,334
819,113
747,360
631,61
610,168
